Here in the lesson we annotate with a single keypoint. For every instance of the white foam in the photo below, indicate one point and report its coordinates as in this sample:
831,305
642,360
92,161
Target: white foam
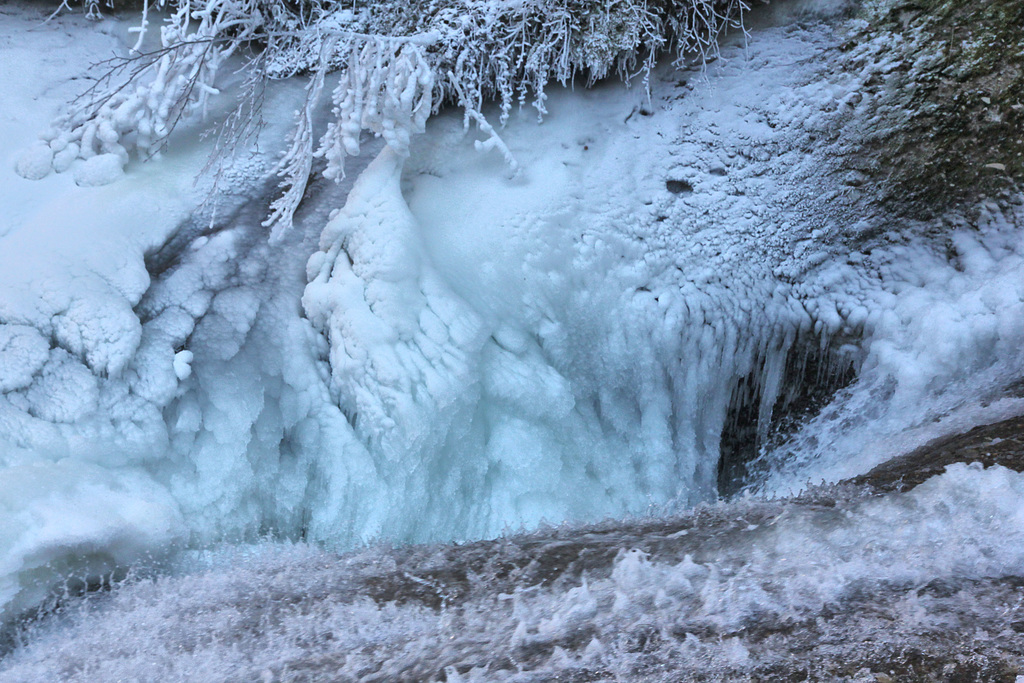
280,611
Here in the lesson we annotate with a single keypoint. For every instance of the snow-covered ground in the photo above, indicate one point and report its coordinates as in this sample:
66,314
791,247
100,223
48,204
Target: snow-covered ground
441,350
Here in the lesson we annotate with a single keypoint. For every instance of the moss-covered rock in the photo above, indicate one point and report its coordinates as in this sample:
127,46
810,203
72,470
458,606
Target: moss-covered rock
949,124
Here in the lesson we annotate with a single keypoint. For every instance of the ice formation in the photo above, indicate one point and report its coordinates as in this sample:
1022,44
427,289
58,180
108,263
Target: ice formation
439,351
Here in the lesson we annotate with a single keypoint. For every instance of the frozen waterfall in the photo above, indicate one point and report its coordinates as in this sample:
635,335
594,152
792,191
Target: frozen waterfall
675,298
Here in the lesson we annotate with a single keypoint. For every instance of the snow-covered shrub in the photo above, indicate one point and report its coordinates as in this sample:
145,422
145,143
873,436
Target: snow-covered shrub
400,60
141,97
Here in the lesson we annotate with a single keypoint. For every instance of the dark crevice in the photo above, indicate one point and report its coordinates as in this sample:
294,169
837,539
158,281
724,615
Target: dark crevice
248,210
813,373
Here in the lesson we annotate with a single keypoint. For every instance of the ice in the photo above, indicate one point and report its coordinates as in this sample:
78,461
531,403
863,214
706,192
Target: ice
438,351
23,352
182,367
944,353
83,375
77,519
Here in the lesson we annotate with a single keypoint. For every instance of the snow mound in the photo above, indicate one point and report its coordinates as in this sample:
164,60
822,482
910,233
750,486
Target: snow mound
101,169
23,352
35,163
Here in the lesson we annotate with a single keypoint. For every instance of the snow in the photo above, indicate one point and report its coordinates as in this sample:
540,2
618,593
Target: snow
77,415
439,351
35,163
24,352
101,169
943,356
67,519
182,364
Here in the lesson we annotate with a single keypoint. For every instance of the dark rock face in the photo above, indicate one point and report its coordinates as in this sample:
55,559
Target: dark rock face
949,125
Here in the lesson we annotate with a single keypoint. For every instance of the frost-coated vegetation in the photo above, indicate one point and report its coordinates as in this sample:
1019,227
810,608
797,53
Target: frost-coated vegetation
399,60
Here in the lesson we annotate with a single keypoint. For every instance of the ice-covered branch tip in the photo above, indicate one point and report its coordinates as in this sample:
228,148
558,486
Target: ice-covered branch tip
399,60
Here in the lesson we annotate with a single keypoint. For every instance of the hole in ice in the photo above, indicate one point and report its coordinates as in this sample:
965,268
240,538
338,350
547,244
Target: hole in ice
678,186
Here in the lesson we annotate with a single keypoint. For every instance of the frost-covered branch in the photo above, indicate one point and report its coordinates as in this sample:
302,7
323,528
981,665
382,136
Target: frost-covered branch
399,61
139,99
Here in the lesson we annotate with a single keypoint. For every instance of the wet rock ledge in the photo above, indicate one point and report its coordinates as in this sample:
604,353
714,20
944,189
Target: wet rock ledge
1001,443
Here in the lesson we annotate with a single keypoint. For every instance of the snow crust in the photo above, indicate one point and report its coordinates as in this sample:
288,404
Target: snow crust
466,353
85,370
